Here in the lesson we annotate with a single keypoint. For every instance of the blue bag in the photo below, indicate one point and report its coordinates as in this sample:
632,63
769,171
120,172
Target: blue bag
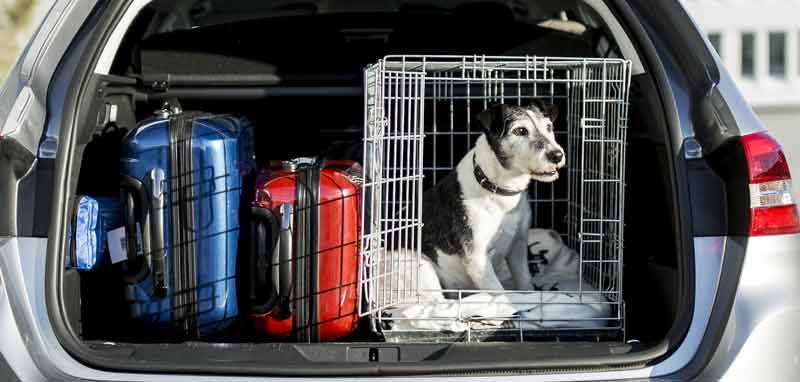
92,217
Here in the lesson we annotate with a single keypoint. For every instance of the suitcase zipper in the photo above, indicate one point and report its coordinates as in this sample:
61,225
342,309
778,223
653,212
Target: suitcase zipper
189,228
301,269
314,253
177,303
184,269
306,317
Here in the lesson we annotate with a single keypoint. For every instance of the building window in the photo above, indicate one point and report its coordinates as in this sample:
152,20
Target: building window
777,54
716,41
748,54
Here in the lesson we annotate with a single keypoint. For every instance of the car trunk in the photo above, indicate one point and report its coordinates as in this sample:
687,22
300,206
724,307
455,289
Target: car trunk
296,72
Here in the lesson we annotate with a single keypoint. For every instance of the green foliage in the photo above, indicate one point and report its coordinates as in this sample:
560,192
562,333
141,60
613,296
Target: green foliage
15,17
20,11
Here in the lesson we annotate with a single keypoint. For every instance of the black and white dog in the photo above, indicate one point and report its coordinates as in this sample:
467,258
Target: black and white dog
478,216
476,223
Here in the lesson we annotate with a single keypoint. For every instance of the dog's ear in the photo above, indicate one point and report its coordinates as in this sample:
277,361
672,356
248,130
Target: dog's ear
492,119
550,110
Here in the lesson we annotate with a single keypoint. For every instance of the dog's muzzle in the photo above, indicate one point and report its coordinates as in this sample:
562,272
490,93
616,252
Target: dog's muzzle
555,156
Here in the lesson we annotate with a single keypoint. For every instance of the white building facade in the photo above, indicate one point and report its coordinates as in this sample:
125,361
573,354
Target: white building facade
759,43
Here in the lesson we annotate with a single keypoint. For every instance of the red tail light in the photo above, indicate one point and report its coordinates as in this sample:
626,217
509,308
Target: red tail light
772,208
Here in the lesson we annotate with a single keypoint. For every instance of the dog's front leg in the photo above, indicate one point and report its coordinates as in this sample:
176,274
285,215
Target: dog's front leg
518,264
480,270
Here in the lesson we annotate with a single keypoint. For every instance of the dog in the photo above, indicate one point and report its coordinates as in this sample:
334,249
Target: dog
475,221
478,216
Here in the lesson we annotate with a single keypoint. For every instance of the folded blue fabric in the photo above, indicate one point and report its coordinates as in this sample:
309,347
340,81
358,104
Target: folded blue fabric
93,217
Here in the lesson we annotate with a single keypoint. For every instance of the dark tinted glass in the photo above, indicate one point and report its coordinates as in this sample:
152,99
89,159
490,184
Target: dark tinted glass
777,54
748,54
716,41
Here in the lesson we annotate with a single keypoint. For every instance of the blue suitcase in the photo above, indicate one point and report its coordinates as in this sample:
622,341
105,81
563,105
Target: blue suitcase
182,175
92,218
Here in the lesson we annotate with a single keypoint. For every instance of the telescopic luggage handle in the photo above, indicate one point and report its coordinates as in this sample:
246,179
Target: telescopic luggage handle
157,249
285,258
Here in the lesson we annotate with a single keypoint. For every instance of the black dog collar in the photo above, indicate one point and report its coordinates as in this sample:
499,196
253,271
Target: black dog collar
487,184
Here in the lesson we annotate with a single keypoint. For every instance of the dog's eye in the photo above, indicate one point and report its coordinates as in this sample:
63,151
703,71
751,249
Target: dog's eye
549,128
520,131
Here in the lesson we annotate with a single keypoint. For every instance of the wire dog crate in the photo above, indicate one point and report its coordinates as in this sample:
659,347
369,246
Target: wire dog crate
418,125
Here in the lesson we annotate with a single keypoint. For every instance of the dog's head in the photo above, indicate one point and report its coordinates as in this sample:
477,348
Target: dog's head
522,138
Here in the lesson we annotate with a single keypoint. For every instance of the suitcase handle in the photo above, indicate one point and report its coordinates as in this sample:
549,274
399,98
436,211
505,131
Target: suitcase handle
261,260
285,252
152,228
280,254
135,270
158,251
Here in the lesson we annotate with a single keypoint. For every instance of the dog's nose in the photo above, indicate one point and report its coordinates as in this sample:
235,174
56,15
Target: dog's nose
555,156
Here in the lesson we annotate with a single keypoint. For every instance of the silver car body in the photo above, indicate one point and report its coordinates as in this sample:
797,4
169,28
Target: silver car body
759,342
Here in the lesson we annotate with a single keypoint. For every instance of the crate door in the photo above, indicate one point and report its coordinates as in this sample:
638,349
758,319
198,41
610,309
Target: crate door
598,101
392,191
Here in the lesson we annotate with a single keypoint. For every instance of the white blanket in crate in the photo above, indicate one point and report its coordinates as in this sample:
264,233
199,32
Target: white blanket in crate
553,303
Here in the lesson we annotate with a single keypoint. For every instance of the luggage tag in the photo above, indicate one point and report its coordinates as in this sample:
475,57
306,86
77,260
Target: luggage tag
118,244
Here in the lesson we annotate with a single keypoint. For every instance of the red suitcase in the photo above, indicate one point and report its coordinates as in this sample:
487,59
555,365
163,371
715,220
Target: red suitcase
304,250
